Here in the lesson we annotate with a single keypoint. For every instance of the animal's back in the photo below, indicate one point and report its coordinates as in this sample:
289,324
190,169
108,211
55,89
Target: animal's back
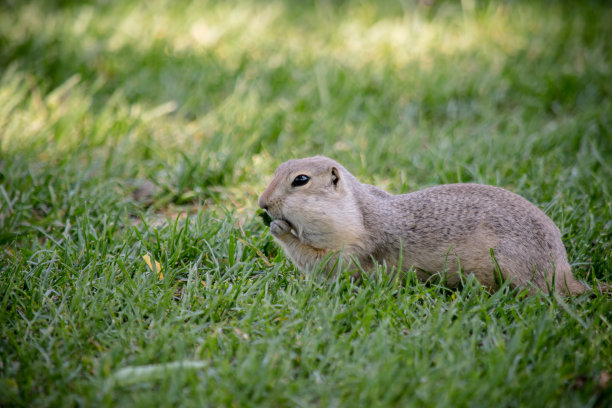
446,226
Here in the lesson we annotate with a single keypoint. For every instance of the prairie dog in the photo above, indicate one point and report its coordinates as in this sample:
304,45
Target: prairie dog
319,209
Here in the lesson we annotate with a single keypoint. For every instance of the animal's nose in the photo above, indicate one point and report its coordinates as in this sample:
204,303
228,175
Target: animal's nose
262,203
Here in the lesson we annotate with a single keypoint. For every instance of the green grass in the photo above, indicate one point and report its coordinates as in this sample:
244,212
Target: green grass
199,102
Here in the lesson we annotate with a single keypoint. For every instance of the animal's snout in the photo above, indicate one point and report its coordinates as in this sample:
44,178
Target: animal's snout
262,202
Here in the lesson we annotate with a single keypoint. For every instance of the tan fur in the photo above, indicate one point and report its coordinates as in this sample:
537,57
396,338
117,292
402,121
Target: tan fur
442,229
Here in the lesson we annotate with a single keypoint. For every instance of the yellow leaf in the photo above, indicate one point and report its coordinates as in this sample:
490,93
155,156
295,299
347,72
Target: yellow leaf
203,283
155,269
147,260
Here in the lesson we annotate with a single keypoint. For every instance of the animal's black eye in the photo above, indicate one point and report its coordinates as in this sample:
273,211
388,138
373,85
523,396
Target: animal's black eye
300,180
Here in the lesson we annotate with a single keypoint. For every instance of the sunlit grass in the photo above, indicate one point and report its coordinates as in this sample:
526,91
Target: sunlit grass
135,138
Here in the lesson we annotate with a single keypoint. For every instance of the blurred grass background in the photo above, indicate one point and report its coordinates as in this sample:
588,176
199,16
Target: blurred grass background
115,115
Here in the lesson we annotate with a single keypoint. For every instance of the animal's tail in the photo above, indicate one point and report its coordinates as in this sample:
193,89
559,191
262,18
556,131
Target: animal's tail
572,286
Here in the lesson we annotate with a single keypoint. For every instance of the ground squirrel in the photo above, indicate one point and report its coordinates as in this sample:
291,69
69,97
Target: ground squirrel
319,210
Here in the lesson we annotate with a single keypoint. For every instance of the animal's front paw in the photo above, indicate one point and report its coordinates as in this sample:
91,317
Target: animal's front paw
279,228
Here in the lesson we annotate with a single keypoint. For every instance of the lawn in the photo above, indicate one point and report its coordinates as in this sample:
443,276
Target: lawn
135,138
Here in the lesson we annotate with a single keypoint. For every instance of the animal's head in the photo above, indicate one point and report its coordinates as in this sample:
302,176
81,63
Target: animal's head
314,196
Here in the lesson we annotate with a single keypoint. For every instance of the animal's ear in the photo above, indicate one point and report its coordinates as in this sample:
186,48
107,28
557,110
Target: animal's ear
335,176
